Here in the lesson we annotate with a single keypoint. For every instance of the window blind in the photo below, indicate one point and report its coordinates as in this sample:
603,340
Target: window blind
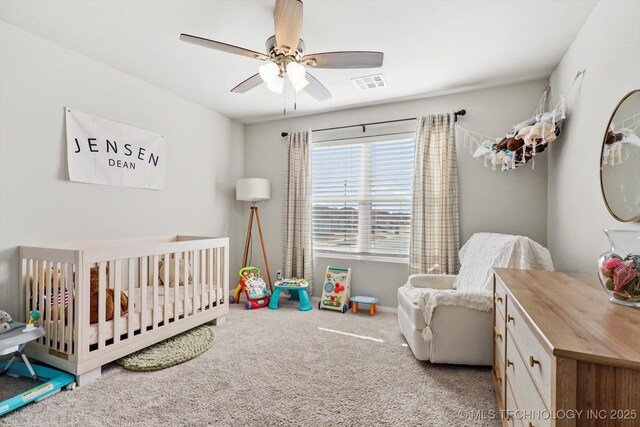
361,197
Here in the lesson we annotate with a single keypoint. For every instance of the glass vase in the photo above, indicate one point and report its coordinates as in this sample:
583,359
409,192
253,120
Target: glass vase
619,268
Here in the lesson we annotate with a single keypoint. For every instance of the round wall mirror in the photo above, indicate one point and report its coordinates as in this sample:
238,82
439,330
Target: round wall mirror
620,160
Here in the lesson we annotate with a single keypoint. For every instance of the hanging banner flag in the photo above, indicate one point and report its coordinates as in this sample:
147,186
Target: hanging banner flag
101,151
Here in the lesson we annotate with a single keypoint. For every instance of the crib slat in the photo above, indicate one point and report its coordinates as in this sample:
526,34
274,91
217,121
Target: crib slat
210,275
176,287
66,316
102,303
39,281
216,274
25,283
42,265
132,295
82,308
115,277
156,308
55,278
47,303
29,280
185,280
143,293
203,279
224,285
196,278
62,317
166,288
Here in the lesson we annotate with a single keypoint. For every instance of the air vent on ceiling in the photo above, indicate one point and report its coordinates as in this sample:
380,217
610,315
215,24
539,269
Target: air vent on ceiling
369,82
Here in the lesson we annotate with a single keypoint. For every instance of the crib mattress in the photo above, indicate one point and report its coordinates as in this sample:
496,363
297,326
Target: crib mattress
167,295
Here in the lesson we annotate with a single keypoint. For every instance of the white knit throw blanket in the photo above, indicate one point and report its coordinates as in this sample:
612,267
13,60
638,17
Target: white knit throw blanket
474,283
431,298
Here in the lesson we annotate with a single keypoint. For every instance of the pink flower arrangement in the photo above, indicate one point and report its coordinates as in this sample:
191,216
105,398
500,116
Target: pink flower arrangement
611,263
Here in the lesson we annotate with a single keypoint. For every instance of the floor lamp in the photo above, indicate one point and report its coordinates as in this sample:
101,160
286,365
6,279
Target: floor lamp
254,190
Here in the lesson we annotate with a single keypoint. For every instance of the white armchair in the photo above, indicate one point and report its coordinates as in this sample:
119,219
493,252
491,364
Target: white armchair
447,318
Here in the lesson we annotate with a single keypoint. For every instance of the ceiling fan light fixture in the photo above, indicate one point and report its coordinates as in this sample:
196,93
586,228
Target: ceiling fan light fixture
295,71
269,72
300,84
276,85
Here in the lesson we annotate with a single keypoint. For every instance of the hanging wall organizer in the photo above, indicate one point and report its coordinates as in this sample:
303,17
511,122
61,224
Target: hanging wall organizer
524,141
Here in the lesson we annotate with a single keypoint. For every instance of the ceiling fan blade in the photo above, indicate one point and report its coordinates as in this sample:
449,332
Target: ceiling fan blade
288,24
224,47
248,84
316,89
352,59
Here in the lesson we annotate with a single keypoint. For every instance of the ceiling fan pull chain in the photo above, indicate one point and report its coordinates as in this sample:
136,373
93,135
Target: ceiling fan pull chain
295,101
284,103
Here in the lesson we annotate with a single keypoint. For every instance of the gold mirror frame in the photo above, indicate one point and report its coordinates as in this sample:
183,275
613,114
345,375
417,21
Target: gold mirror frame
604,138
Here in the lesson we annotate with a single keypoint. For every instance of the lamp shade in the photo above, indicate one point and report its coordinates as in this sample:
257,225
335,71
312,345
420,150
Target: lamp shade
253,189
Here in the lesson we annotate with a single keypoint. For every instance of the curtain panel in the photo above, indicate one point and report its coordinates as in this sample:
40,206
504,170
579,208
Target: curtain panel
435,219
297,235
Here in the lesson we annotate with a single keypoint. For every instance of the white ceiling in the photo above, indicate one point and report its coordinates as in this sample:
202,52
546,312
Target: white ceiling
430,46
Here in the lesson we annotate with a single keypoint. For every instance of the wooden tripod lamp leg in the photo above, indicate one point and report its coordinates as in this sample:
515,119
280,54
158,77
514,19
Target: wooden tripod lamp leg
264,250
246,243
246,248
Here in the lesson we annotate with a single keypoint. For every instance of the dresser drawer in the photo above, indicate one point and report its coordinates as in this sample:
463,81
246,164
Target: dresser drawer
535,358
511,406
500,297
521,385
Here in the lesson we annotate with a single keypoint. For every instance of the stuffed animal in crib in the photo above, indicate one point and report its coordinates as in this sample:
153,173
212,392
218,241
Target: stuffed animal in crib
172,269
109,303
5,319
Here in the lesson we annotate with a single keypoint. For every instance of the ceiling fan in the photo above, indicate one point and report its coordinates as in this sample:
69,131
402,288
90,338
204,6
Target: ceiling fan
286,56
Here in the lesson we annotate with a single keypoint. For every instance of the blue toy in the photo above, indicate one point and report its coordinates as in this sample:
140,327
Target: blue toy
14,341
296,287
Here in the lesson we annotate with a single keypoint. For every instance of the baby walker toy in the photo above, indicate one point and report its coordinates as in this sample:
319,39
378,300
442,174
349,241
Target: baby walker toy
336,292
13,339
254,287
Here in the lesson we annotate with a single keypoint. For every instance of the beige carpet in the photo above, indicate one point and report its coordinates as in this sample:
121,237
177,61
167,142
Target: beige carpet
278,368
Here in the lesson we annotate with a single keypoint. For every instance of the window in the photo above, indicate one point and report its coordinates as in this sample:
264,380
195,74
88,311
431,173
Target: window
361,197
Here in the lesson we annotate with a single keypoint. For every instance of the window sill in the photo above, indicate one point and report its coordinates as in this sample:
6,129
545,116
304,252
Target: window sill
372,258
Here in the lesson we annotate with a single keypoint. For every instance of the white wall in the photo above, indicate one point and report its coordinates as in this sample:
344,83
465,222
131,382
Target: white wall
489,200
608,47
37,202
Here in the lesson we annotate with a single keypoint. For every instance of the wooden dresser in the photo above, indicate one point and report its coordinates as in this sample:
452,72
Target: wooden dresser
563,355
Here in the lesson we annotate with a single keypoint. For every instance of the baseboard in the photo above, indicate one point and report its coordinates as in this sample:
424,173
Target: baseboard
380,308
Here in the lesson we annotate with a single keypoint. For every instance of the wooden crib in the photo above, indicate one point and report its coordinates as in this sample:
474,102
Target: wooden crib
170,285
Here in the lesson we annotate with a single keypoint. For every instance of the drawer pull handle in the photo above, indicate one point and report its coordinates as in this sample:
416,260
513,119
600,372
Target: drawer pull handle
510,318
531,424
533,362
509,363
497,333
499,299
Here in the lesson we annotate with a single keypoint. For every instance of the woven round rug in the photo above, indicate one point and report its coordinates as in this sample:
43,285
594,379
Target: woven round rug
170,352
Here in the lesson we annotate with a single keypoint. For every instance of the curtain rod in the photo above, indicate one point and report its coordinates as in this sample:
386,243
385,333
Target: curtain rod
364,125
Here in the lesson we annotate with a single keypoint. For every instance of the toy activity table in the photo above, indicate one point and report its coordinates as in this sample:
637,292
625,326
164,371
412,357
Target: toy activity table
372,301
301,290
